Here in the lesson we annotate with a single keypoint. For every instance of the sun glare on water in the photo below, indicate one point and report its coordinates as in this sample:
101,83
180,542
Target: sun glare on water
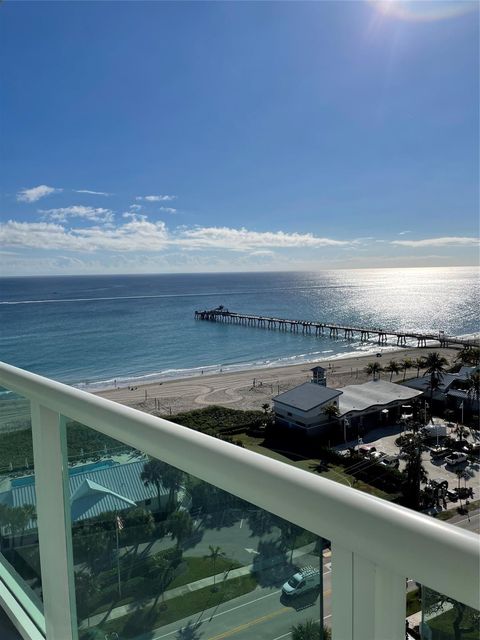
423,11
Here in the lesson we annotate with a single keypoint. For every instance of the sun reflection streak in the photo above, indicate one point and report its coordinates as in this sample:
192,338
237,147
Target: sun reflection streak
423,11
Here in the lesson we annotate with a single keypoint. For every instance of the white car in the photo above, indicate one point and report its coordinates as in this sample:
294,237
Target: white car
456,458
305,580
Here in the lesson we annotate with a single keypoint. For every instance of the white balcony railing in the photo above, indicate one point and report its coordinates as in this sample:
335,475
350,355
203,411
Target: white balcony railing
376,545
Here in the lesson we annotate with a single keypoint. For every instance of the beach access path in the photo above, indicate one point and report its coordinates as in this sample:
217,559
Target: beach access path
252,388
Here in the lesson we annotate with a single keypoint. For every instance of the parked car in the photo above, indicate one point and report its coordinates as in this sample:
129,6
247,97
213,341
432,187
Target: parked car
392,462
439,452
366,450
434,431
305,580
376,456
459,445
456,458
452,495
473,452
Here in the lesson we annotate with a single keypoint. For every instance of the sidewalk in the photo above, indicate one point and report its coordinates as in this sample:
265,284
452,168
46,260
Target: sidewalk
183,590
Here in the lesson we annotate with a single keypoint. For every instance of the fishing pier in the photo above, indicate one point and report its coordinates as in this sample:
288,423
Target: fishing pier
332,330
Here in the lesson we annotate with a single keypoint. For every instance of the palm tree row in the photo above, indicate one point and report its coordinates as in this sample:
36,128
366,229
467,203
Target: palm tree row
394,367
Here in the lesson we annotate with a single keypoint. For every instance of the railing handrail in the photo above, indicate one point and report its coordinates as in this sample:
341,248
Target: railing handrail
408,543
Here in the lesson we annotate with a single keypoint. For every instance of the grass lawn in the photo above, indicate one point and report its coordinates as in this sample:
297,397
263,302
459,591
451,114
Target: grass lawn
443,625
449,513
149,618
198,568
334,472
194,569
414,603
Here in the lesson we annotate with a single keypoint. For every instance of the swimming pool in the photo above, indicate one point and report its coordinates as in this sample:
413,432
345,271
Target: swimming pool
25,481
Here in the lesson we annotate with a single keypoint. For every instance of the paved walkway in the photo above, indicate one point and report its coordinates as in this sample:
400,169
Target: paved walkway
185,589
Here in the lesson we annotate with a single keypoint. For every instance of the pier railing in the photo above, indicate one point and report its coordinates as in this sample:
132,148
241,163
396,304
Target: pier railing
376,545
347,332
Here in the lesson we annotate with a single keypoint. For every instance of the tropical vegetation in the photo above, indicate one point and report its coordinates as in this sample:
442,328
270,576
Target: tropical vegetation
373,369
310,630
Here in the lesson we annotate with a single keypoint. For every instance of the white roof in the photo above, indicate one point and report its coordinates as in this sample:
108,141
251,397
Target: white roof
376,393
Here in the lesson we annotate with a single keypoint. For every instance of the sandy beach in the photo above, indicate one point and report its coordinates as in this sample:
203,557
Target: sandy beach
255,387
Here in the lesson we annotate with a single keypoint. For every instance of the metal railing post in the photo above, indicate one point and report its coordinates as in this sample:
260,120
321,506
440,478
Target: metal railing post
54,523
368,601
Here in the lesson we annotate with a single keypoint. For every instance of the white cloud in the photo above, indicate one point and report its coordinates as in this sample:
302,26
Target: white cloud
446,241
135,207
93,193
137,233
263,253
78,211
403,233
168,209
35,193
244,240
156,198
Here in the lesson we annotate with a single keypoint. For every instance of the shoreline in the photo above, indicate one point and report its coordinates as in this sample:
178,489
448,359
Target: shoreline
251,388
176,375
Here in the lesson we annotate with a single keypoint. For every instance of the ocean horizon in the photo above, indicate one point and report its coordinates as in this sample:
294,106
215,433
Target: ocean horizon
97,331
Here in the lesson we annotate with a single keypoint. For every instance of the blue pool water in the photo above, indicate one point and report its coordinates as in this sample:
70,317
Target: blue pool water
25,481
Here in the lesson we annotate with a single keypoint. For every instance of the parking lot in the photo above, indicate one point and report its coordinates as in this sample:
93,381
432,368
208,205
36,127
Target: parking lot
383,440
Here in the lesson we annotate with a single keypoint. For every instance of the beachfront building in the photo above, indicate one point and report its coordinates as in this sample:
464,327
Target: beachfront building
374,403
303,407
361,405
451,390
48,595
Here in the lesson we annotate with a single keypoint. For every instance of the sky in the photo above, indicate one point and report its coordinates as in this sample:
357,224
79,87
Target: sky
151,137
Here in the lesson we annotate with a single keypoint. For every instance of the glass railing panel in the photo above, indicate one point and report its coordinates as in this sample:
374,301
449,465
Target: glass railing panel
444,618
19,550
159,552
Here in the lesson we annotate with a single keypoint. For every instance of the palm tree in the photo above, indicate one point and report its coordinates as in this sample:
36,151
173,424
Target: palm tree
152,476
215,553
139,527
310,630
172,480
372,369
469,356
406,364
392,368
420,364
180,525
331,411
414,473
472,386
434,367
160,474
28,514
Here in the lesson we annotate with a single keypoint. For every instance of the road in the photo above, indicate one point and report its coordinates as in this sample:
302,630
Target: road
261,615
470,522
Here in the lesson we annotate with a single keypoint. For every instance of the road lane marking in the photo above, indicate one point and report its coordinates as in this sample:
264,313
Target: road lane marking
239,606
222,613
250,623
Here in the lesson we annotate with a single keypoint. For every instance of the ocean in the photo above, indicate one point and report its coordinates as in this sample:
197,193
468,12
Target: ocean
90,331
